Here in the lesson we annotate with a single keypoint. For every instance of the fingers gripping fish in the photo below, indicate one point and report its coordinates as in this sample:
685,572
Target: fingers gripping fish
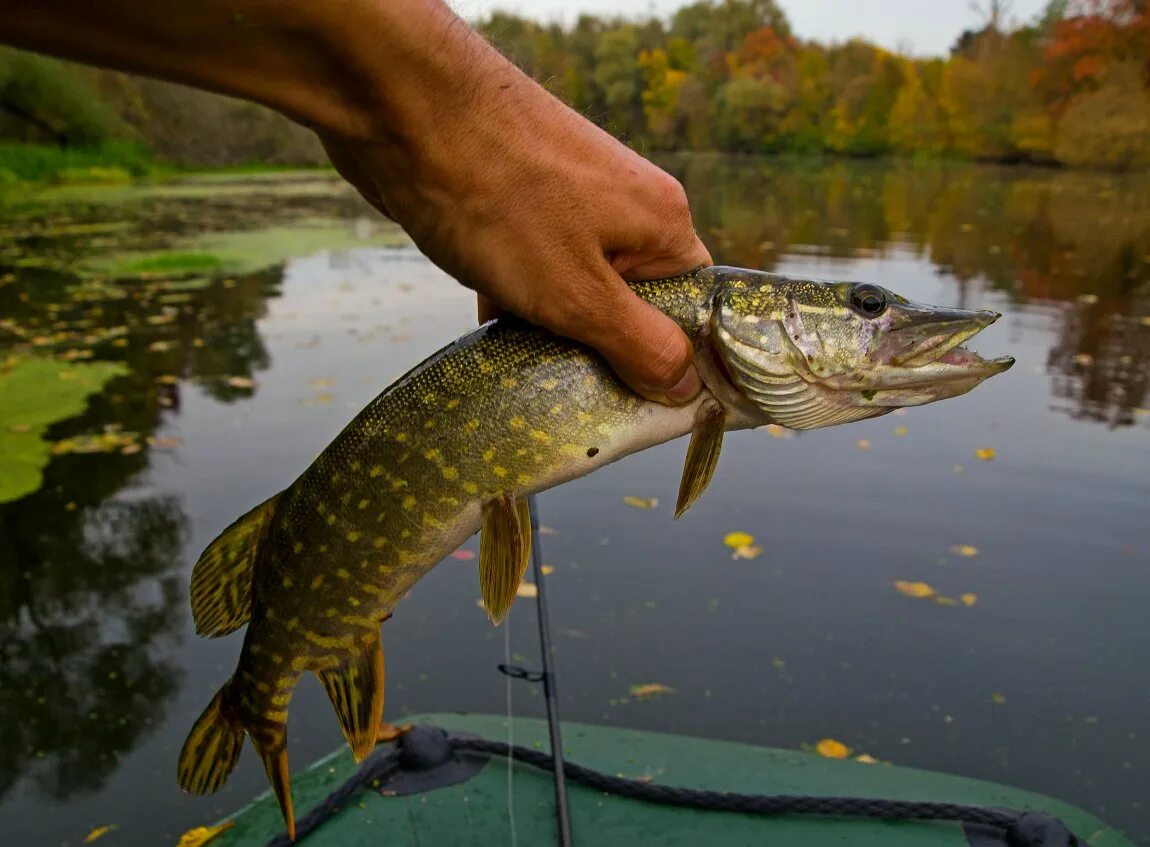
458,443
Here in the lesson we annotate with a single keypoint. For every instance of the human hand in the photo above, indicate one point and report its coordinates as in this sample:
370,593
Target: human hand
538,210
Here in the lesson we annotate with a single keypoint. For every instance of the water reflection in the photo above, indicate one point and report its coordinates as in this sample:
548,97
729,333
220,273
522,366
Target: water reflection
1079,242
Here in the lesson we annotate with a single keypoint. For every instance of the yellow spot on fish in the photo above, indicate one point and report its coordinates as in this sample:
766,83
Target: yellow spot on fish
431,454
288,582
297,547
489,454
522,479
486,367
603,429
540,435
363,563
353,536
363,504
472,424
453,402
277,659
281,699
429,424
355,466
471,488
335,478
330,520
323,547
378,541
409,501
557,408
589,381
405,533
344,642
330,612
342,573
549,384
368,588
448,500
517,422
499,471
256,648
522,451
450,473
430,520
321,508
317,582
401,437
376,470
292,624
509,382
299,663
584,417
353,601
397,484
429,397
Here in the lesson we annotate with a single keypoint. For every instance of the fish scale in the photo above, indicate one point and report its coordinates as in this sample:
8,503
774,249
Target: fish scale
457,445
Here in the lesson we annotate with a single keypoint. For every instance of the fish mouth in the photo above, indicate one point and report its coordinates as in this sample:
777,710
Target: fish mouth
934,346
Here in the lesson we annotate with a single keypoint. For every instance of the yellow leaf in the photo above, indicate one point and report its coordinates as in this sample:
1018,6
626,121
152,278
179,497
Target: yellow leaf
548,570
968,599
944,601
997,699
866,759
99,832
901,430
964,550
832,749
641,502
527,589
747,551
862,444
240,382
918,590
650,689
736,540
986,453
201,835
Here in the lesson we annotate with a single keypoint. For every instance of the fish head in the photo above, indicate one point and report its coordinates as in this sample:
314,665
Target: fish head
808,353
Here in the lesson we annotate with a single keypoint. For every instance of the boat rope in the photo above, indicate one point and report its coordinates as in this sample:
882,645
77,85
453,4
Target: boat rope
425,748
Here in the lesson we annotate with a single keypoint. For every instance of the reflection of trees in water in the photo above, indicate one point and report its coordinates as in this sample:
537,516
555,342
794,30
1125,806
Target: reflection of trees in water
90,597
1036,235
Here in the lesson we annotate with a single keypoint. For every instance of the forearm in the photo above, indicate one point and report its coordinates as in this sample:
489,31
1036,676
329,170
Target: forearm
355,68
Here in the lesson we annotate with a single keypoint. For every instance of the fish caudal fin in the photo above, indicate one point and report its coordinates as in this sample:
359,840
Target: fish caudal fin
504,551
355,687
222,578
212,748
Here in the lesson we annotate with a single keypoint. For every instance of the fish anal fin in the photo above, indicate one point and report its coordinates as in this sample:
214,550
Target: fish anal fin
222,578
504,550
212,748
702,453
355,687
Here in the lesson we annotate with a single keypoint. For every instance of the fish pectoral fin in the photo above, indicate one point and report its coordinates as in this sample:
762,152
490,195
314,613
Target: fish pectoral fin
222,577
355,687
702,453
504,550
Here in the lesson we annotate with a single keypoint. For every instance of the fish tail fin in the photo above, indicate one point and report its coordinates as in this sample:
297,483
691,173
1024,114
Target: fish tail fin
222,577
212,748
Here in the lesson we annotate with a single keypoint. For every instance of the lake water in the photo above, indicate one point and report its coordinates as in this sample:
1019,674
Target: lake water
236,379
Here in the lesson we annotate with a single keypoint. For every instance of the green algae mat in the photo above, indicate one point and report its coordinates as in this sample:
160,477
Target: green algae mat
474,813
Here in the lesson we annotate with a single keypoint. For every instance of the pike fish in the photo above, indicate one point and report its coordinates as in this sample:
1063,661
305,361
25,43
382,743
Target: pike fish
458,444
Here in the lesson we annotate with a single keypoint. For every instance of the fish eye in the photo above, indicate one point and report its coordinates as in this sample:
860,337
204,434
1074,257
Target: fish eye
868,300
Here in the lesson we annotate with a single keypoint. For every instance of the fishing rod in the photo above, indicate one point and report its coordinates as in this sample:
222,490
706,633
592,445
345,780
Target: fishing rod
547,677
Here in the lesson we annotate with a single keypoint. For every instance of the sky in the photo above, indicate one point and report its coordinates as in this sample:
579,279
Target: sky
920,27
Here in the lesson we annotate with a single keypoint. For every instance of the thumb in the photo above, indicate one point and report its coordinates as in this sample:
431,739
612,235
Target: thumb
646,349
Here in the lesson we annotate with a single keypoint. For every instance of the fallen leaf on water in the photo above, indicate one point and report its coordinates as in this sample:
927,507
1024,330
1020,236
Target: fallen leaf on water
321,383
964,550
738,539
318,400
918,590
968,599
866,759
240,382
201,835
165,442
548,570
99,832
463,555
986,453
650,689
1088,299
997,699
641,502
130,449
901,430
747,551
527,589
862,444
832,749
944,601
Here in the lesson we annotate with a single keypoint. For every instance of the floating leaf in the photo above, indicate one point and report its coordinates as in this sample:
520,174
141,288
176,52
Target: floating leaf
527,589
944,601
99,832
832,749
918,590
968,599
321,383
240,382
650,689
997,699
738,539
166,442
901,430
862,444
964,550
201,835
463,555
747,551
317,400
866,759
548,570
641,502
986,453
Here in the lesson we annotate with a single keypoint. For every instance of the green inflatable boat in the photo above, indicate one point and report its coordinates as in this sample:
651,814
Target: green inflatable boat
449,782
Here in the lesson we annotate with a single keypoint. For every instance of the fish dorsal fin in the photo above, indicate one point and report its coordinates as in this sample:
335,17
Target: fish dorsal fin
355,687
702,453
504,550
222,578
